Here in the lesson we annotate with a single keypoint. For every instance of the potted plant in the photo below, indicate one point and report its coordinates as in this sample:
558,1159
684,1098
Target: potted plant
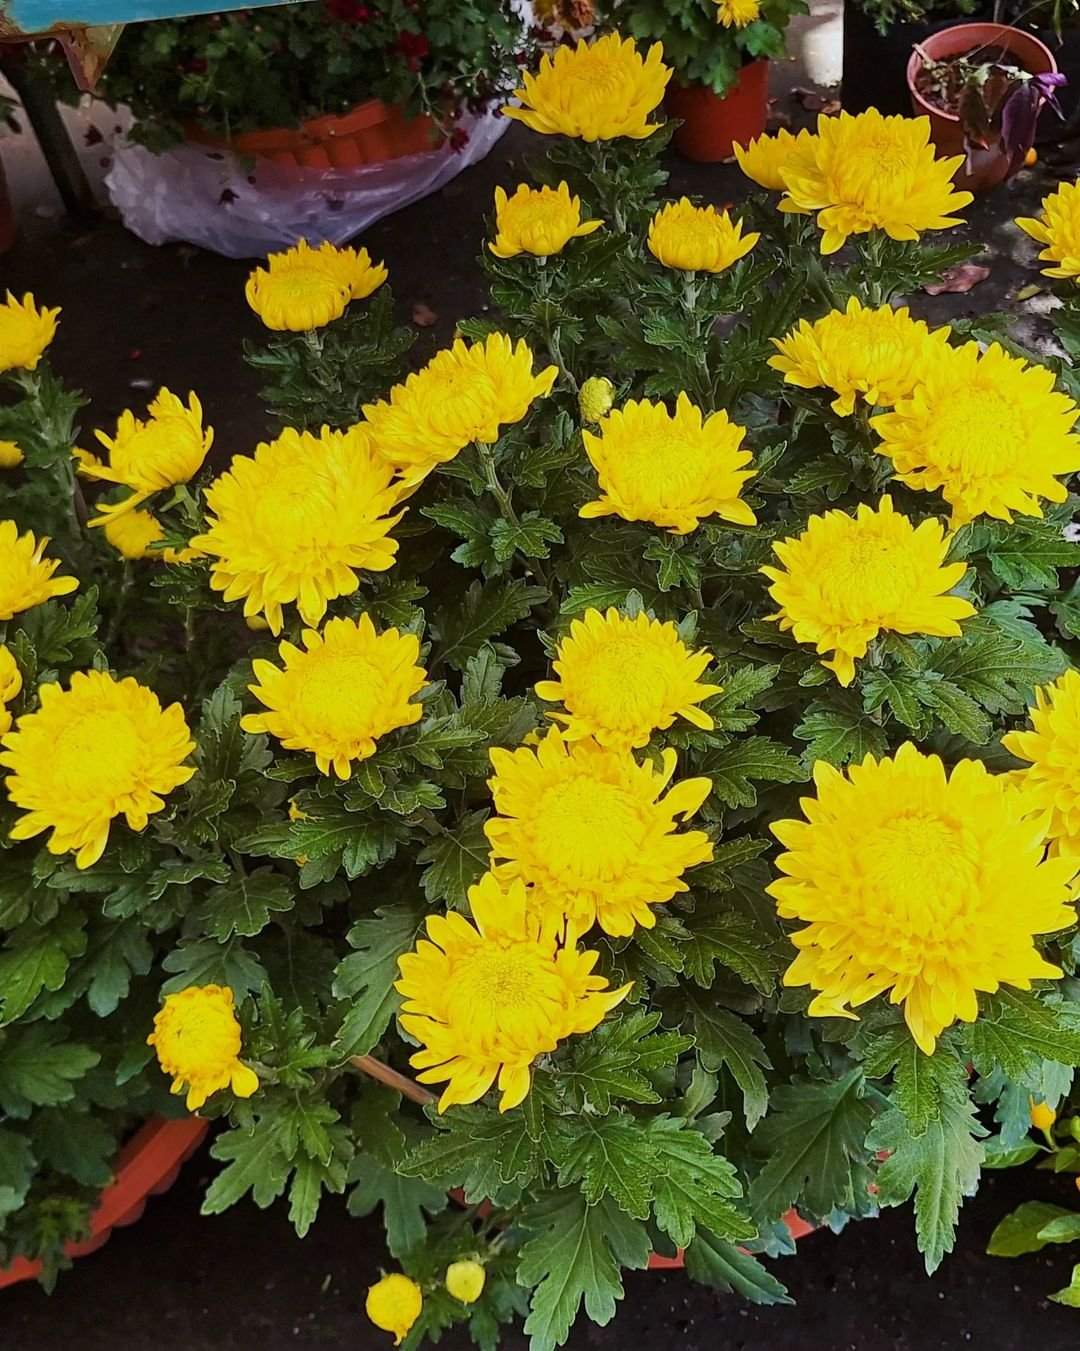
982,86
325,789
878,39
339,83
719,51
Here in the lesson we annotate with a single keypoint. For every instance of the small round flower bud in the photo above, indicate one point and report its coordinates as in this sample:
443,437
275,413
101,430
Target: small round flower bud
465,1281
1042,1116
595,398
394,1304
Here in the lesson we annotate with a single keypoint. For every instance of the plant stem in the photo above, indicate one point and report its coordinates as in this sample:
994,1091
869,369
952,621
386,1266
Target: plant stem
408,1088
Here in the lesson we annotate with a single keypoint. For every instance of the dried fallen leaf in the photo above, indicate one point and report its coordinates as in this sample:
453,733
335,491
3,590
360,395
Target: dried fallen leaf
958,280
423,316
811,99
1026,292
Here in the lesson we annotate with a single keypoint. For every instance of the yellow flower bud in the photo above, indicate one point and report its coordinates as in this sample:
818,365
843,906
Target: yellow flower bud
465,1280
595,398
394,1304
10,455
256,623
1042,1116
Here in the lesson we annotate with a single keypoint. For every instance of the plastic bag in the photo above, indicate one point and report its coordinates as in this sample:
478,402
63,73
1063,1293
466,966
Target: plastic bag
223,203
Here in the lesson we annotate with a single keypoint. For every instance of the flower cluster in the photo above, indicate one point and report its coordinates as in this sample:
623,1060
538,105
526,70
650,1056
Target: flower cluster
861,173
304,288
452,741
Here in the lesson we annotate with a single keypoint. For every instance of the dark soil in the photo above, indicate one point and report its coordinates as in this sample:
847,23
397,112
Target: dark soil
136,317
244,1282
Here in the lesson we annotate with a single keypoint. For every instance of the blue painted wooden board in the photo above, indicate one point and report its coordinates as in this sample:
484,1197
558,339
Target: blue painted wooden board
24,17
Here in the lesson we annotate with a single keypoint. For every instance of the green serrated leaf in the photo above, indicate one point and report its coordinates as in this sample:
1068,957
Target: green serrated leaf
366,977
813,1141
458,858
724,1040
941,1166
714,1261
734,768
574,1256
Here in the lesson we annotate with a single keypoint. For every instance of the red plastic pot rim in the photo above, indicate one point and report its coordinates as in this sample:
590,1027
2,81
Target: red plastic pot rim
148,1163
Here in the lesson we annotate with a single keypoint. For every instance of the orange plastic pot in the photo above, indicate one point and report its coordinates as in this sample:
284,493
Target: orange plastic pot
712,124
148,1164
371,133
991,166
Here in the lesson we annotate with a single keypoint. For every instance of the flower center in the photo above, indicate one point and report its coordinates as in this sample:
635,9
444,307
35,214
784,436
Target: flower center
287,520
503,984
598,79
626,674
167,442
918,874
587,829
201,1042
341,694
978,433
99,753
301,284
458,398
866,576
874,166
663,463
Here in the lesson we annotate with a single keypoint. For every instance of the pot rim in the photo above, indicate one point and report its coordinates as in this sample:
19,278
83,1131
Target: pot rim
980,33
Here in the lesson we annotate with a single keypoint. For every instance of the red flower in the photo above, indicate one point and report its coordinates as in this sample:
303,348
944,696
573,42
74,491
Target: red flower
413,47
459,139
348,11
196,66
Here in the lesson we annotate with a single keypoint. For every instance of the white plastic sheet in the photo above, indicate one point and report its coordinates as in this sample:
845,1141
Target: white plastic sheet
242,209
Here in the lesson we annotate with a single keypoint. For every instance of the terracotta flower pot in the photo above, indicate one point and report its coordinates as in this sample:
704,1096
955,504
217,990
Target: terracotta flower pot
370,134
711,124
988,167
148,1164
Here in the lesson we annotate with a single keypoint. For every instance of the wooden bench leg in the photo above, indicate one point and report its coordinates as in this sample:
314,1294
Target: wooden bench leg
48,126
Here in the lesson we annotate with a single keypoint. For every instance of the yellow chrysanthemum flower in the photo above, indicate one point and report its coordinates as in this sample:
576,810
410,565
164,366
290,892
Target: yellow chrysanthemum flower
671,469
394,1304
355,268
737,13
846,579
485,999
879,354
133,532
294,522
622,679
101,749
465,393
350,687
595,398
541,221
869,172
197,1040
1058,228
927,885
765,158
148,455
300,288
1052,749
10,685
697,238
987,429
11,455
26,575
588,827
594,91
465,1280
25,333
